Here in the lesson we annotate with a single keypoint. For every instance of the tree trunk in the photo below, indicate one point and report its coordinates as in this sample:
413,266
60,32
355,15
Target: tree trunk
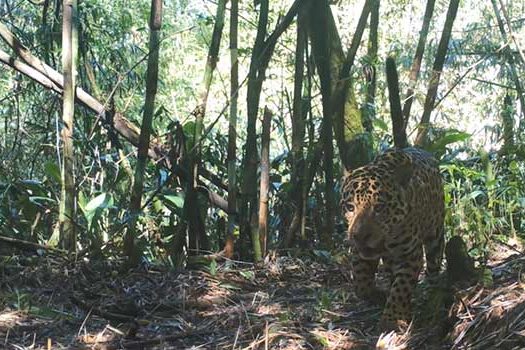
45,75
261,55
507,120
68,198
322,54
369,110
353,142
232,131
131,250
196,228
298,131
255,79
436,73
260,250
418,57
398,125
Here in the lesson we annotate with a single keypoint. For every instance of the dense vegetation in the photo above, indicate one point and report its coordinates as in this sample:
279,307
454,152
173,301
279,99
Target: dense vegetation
182,134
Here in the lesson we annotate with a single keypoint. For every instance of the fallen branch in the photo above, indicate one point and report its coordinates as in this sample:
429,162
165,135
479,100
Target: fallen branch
30,245
110,316
45,75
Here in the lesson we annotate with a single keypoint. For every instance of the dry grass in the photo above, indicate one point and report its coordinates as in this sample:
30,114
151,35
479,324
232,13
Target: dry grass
284,304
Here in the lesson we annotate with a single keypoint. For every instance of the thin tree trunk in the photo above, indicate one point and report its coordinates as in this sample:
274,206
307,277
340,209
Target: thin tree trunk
155,22
436,73
507,121
68,198
261,55
418,57
196,229
512,64
329,223
45,75
260,251
298,131
232,130
255,79
371,70
398,125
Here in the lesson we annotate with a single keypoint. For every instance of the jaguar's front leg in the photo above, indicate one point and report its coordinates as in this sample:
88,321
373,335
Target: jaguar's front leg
398,309
364,279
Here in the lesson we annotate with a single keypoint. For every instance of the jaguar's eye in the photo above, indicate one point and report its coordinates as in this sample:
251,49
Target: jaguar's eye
379,208
349,208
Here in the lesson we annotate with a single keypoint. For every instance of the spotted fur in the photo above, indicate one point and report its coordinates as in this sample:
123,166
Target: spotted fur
394,208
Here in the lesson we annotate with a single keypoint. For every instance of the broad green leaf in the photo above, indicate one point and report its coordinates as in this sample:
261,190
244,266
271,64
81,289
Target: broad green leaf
96,202
176,200
450,136
52,171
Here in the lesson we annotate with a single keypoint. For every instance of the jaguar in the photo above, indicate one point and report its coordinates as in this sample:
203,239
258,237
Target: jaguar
394,209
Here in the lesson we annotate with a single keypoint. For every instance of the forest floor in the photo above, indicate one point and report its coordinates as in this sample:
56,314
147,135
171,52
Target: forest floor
48,302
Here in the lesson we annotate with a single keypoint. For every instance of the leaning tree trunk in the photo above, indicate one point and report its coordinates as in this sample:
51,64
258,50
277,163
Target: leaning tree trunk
68,198
322,53
196,229
437,69
398,125
339,103
512,64
131,249
418,58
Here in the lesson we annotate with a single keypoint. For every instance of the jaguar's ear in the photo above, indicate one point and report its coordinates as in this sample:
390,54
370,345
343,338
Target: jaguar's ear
347,172
403,173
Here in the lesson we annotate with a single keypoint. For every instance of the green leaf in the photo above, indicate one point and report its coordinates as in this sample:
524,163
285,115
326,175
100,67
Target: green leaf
476,194
322,340
189,131
213,267
177,200
449,137
95,205
249,275
52,171
380,123
486,278
96,202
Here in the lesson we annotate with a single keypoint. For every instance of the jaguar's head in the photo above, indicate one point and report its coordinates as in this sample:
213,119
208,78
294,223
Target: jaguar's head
373,203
